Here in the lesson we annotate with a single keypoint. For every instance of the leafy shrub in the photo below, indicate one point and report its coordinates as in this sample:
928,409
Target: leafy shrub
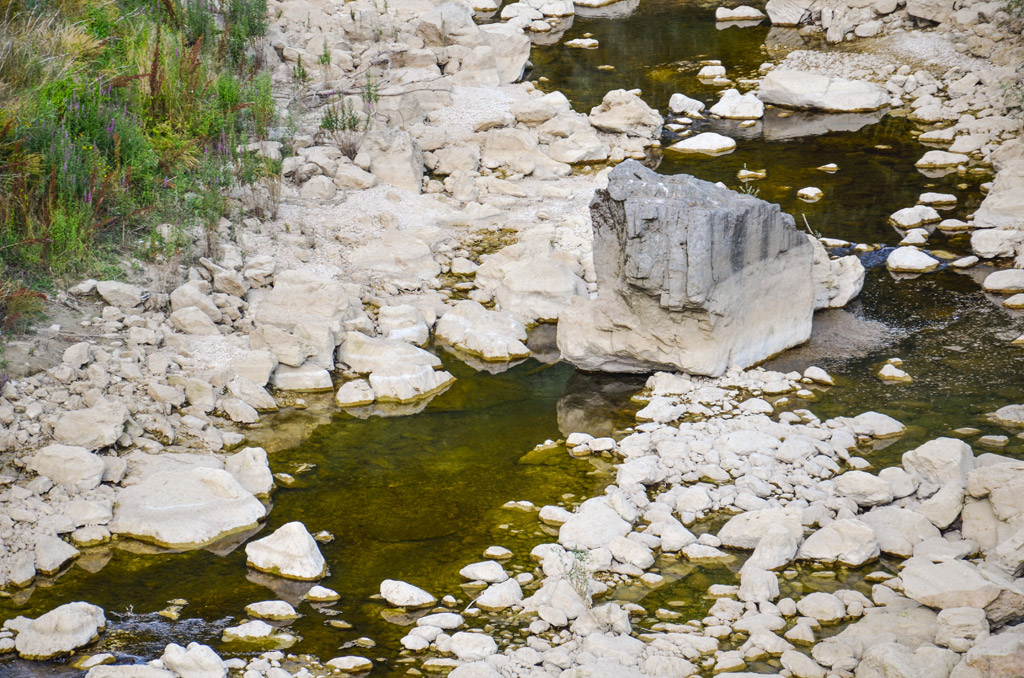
119,116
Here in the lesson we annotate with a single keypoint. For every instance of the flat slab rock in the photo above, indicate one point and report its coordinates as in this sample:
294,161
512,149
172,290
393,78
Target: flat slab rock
185,508
798,89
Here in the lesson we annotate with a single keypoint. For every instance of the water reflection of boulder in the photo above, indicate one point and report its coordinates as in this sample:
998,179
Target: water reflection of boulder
479,364
614,10
784,39
289,590
838,334
734,128
722,25
290,428
590,400
542,345
808,123
386,409
554,36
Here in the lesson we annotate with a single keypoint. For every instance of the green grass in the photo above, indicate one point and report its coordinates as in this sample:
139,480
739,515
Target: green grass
118,116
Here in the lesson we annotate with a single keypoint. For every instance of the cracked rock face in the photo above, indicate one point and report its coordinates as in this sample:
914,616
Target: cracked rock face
691,276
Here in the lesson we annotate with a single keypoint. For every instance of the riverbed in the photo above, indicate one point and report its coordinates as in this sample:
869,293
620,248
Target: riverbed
416,497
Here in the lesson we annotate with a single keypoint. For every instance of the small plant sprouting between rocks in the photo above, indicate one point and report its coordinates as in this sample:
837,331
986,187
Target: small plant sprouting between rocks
750,190
578,576
344,126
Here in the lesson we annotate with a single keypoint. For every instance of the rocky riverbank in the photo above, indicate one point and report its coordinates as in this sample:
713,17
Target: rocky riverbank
462,218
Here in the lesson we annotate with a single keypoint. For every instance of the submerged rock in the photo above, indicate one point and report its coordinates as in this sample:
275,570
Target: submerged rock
691,277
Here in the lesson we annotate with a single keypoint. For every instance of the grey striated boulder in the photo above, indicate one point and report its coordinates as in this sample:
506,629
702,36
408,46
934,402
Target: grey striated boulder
691,277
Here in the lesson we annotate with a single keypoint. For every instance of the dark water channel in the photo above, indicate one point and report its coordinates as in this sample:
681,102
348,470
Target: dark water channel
418,497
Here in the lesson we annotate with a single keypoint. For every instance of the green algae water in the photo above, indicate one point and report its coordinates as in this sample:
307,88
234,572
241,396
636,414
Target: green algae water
418,497
413,498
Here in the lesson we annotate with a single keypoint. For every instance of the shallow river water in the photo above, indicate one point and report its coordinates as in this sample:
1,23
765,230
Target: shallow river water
418,497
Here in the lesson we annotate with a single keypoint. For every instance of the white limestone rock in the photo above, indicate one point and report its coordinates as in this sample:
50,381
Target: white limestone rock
594,525
73,467
680,103
500,596
52,553
909,217
799,89
899,530
275,610
940,160
350,664
823,607
707,143
491,335
909,259
119,294
647,318
402,594
473,647
877,425
486,571
197,661
60,631
1005,281
251,469
355,393
93,427
538,289
404,383
863,488
958,628
745,531
848,541
736,106
289,552
309,377
952,583
741,13
622,112
404,323
187,508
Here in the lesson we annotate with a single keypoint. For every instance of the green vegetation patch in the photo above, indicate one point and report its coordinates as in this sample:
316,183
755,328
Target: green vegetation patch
118,116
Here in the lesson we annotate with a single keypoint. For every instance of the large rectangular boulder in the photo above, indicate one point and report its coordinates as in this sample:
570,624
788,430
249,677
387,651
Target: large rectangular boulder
691,276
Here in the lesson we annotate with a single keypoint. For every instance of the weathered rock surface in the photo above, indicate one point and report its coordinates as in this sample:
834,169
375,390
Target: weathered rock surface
289,552
490,335
94,427
953,583
404,594
195,661
186,508
691,276
60,631
73,467
798,89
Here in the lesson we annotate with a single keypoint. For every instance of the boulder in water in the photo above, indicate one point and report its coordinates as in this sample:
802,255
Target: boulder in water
691,277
